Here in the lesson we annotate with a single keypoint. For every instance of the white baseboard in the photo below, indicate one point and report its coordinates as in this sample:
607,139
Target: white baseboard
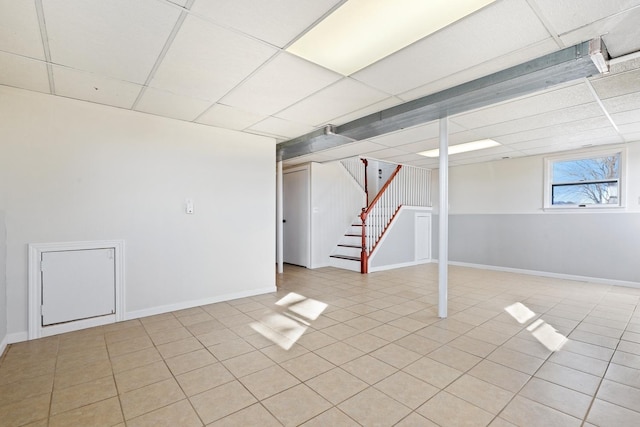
597,280
17,337
24,336
196,303
400,265
3,345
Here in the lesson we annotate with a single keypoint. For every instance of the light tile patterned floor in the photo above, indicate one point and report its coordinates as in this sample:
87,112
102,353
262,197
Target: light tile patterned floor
378,355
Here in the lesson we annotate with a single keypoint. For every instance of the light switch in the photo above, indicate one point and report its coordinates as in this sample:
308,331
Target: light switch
189,207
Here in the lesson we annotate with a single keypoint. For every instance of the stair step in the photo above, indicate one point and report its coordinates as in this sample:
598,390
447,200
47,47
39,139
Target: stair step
353,235
350,246
350,258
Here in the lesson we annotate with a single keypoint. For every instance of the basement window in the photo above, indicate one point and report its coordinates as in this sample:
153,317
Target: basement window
587,180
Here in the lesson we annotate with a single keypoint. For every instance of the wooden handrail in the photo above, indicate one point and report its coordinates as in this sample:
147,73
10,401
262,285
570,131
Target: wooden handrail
365,212
366,189
364,256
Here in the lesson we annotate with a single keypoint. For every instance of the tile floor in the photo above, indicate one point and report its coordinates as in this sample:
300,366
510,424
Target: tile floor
377,355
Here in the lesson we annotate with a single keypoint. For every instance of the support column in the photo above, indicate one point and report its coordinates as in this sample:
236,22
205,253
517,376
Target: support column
279,214
443,238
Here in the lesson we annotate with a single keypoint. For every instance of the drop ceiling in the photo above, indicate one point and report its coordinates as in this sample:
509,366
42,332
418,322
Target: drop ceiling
223,63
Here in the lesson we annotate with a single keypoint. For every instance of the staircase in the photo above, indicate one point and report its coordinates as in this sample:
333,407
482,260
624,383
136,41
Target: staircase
405,186
347,253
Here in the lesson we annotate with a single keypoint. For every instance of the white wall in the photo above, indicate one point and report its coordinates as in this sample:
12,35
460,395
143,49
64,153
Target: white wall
3,285
398,245
76,171
497,219
378,172
336,202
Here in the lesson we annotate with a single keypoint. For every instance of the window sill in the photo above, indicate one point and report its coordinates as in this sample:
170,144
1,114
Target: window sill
573,209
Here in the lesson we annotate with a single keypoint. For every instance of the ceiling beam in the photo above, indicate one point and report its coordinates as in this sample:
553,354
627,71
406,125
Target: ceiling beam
566,65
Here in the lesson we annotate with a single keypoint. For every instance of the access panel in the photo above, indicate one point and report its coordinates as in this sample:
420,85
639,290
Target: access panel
77,284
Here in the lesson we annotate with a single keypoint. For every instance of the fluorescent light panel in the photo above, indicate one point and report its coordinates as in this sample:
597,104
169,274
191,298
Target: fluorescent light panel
463,148
361,32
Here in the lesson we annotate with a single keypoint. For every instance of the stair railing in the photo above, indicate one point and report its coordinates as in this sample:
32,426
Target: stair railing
378,215
357,168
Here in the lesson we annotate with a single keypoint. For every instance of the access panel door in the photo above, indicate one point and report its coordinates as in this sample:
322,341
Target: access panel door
77,284
423,237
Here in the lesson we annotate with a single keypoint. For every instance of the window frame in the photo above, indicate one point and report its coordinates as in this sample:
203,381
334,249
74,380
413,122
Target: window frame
549,161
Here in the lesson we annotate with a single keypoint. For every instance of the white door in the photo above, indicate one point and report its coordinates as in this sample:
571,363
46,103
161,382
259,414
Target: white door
423,237
295,198
77,284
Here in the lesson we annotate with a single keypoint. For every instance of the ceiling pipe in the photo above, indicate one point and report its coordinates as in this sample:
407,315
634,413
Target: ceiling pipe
572,63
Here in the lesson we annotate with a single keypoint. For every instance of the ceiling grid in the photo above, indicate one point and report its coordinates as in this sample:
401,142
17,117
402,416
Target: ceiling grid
225,64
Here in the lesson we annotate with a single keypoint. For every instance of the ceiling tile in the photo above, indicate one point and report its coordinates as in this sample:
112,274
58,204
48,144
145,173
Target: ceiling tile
617,84
351,150
221,115
530,105
549,149
622,35
426,163
169,104
568,15
341,98
94,88
117,38
594,136
486,68
19,29
384,153
482,36
405,158
633,137
370,109
489,155
24,73
627,117
280,127
206,61
494,152
620,32
280,83
407,136
556,146
546,120
276,22
315,157
629,129
593,123
533,145
420,146
622,103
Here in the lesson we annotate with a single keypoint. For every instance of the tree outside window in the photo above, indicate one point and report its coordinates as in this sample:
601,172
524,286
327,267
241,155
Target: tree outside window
586,181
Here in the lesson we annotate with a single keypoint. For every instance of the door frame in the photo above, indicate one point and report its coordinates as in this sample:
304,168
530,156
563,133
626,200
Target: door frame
36,330
307,169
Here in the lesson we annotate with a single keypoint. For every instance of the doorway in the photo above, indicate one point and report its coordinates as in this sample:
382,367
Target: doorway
296,232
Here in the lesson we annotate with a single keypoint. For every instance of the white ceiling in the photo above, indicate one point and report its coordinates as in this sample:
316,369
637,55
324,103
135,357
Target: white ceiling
222,63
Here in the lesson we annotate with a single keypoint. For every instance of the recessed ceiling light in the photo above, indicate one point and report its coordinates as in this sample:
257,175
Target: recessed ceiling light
463,148
361,32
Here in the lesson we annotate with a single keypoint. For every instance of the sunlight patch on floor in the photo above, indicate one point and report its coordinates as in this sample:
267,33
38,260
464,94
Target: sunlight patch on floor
546,334
294,315
520,312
